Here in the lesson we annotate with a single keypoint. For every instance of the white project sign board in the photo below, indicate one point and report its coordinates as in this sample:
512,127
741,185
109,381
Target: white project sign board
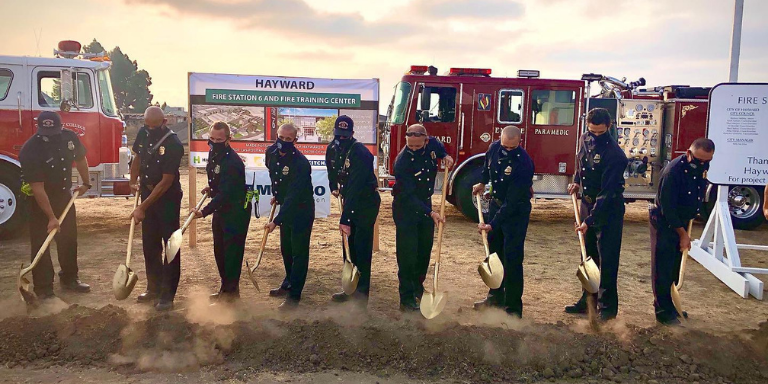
738,124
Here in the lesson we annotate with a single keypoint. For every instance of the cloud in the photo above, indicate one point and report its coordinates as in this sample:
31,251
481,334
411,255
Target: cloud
435,10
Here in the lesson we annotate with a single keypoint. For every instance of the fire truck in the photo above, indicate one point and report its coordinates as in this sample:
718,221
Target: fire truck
466,109
78,87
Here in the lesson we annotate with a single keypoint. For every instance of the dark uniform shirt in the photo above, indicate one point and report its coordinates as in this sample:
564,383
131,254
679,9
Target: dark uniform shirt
511,176
226,177
165,159
600,171
681,192
415,173
48,159
350,171
291,177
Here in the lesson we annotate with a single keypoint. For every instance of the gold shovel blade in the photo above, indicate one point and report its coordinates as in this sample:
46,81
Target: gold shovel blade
123,282
589,275
23,284
677,300
432,304
350,275
251,275
173,245
492,271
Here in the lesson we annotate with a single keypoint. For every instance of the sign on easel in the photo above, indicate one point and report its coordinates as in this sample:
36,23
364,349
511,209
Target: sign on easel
738,124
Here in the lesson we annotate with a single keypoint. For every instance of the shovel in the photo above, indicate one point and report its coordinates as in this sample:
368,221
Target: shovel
350,275
432,304
174,242
491,270
588,272
23,283
675,290
252,270
125,279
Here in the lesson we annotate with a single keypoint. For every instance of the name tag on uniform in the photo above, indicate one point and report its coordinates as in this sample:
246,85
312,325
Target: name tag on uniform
417,173
49,160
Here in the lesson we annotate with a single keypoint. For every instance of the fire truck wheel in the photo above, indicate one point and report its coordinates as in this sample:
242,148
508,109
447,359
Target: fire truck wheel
12,215
746,206
463,191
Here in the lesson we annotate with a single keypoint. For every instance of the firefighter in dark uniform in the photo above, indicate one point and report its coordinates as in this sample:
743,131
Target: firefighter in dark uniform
509,169
351,175
231,210
155,166
291,177
682,188
46,164
415,171
600,176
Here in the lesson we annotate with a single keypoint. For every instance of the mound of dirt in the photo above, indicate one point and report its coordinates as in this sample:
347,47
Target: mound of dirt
81,336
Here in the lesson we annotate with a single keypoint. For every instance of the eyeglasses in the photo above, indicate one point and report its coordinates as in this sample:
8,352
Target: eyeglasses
415,134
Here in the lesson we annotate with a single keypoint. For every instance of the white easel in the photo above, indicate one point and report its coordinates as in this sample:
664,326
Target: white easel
716,249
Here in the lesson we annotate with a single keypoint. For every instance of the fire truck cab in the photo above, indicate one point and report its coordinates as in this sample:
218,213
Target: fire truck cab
466,109
78,87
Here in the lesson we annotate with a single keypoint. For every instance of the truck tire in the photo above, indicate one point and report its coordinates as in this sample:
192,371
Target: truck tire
12,203
746,206
463,192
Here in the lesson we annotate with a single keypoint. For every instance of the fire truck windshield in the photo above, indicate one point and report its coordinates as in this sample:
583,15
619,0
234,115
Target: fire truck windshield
399,103
108,105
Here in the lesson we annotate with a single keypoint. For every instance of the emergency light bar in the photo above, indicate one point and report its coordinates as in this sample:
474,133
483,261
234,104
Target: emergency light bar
418,69
470,71
591,77
528,73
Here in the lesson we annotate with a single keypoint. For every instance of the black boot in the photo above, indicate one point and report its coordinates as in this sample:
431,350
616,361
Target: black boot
164,305
75,285
488,302
289,304
148,297
339,297
408,305
279,292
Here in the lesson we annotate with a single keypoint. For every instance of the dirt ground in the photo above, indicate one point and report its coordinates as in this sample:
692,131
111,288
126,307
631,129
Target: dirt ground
95,338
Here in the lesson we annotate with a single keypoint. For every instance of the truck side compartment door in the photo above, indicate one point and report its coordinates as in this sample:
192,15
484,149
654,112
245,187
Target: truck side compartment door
553,128
15,115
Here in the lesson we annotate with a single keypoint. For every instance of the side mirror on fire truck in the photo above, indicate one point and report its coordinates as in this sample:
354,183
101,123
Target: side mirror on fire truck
68,90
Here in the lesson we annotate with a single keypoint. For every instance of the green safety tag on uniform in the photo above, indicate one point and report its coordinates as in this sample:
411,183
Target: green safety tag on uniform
26,189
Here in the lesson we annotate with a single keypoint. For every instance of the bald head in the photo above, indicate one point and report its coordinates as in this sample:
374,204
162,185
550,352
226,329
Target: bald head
154,117
510,137
416,137
287,132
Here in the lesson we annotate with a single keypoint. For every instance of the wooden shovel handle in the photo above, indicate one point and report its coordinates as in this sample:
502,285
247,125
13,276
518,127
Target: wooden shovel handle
682,262
344,239
441,225
48,239
479,202
192,215
130,232
266,234
577,214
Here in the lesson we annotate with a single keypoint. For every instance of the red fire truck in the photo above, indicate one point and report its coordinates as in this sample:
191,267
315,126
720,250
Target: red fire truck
467,108
78,87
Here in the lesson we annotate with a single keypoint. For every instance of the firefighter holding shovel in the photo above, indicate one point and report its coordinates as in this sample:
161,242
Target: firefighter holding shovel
230,208
682,188
291,177
415,171
156,163
509,169
46,164
599,175
351,176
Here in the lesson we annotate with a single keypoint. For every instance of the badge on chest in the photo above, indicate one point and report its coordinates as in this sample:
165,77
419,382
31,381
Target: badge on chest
597,158
346,163
434,156
286,170
71,145
508,170
217,169
162,151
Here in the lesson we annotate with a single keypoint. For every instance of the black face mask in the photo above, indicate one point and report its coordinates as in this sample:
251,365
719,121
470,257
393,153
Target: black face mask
217,148
698,166
419,151
285,146
343,142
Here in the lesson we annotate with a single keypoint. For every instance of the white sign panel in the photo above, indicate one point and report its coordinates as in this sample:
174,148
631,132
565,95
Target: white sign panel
738,124
263,187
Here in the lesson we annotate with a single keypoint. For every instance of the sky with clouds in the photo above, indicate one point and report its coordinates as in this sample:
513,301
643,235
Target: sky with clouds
667,42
